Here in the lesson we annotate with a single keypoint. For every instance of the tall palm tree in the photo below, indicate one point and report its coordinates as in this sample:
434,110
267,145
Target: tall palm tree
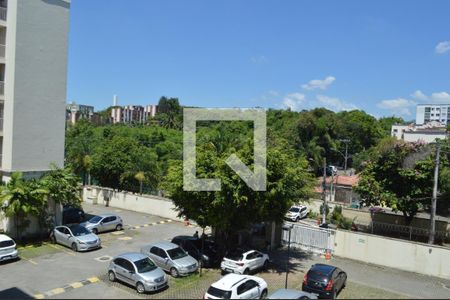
140,176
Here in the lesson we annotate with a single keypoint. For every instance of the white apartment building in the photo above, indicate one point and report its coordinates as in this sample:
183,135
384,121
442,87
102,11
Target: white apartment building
426,113
33,71
133,113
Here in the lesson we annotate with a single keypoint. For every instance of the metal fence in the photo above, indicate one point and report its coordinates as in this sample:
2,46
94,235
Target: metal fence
406,232
307,238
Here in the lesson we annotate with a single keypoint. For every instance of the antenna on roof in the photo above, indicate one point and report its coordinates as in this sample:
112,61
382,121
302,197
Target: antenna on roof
115,100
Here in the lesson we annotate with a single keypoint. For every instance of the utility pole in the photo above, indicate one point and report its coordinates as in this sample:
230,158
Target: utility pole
434,198
324,193
346,157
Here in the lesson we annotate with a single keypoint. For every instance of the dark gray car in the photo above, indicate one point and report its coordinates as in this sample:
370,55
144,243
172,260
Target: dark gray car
171,258
137,270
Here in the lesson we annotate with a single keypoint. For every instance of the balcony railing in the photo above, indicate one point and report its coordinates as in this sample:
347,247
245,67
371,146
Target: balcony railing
2,50
2,87
3,11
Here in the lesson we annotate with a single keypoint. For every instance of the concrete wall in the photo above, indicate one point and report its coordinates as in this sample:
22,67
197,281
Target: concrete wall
403,255
154,205
35,84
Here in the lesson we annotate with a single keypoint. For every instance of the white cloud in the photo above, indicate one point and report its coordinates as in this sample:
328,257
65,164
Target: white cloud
293,101
319,84
418,95
335,103
442,97
398,106
259,60
443,47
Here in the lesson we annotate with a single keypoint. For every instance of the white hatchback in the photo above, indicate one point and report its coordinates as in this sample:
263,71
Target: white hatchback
8,248
234,286
244,261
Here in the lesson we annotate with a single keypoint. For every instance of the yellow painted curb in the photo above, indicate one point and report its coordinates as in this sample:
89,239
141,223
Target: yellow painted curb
76,285
93,279
39,296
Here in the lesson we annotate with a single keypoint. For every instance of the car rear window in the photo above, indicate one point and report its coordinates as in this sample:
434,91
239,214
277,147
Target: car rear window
317,276
235,255
4,244
219,293
294,209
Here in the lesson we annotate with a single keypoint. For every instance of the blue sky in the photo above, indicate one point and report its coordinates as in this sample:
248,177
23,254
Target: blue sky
380,56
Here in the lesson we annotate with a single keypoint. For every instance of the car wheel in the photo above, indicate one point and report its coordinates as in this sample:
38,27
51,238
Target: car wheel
246,271
95,231
119,227
111,276
223,272
140,288
297,219
263,294
74,247
174,272
334,295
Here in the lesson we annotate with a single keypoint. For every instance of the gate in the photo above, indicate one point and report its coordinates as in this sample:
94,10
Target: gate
309,238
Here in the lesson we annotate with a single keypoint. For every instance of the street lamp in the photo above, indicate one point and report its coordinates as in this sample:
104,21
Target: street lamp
287,228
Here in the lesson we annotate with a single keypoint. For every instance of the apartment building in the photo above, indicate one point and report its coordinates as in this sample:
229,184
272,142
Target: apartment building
76,112
426,113
33,67
133,113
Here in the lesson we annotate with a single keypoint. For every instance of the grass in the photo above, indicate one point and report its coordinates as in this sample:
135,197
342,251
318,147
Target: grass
35,250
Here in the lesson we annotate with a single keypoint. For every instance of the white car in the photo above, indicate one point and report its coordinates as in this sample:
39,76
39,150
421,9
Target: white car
234,286
244,261
297,212
8,248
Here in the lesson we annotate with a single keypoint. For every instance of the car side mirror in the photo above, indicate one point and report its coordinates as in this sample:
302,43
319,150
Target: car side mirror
68,235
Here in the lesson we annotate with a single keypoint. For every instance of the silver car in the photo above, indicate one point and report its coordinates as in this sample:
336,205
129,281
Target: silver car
171,258
8,248
104,222
137,270
76,237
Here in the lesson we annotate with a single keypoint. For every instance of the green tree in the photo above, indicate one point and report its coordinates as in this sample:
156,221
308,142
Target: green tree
236,206
62,186
399,175
20,199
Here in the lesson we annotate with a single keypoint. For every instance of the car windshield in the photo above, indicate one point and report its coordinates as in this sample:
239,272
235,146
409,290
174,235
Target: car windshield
221,294
235,255
78,230
95,220
294,209
8,243
176,253
144,265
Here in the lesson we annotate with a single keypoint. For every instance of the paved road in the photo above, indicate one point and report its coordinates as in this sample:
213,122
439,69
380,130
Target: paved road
54,271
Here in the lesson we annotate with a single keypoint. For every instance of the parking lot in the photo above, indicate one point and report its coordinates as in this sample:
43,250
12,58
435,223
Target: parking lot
53,271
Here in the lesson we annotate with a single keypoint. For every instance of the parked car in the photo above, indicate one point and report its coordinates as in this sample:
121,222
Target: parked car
8,248
72,215
297,212
242,261
291,294
171,258
104,222
376,209
193,246
137,270
235,286
324,280
76,237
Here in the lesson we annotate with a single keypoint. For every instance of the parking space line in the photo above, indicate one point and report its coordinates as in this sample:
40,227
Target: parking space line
29,260
149,224
61,249
66,288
